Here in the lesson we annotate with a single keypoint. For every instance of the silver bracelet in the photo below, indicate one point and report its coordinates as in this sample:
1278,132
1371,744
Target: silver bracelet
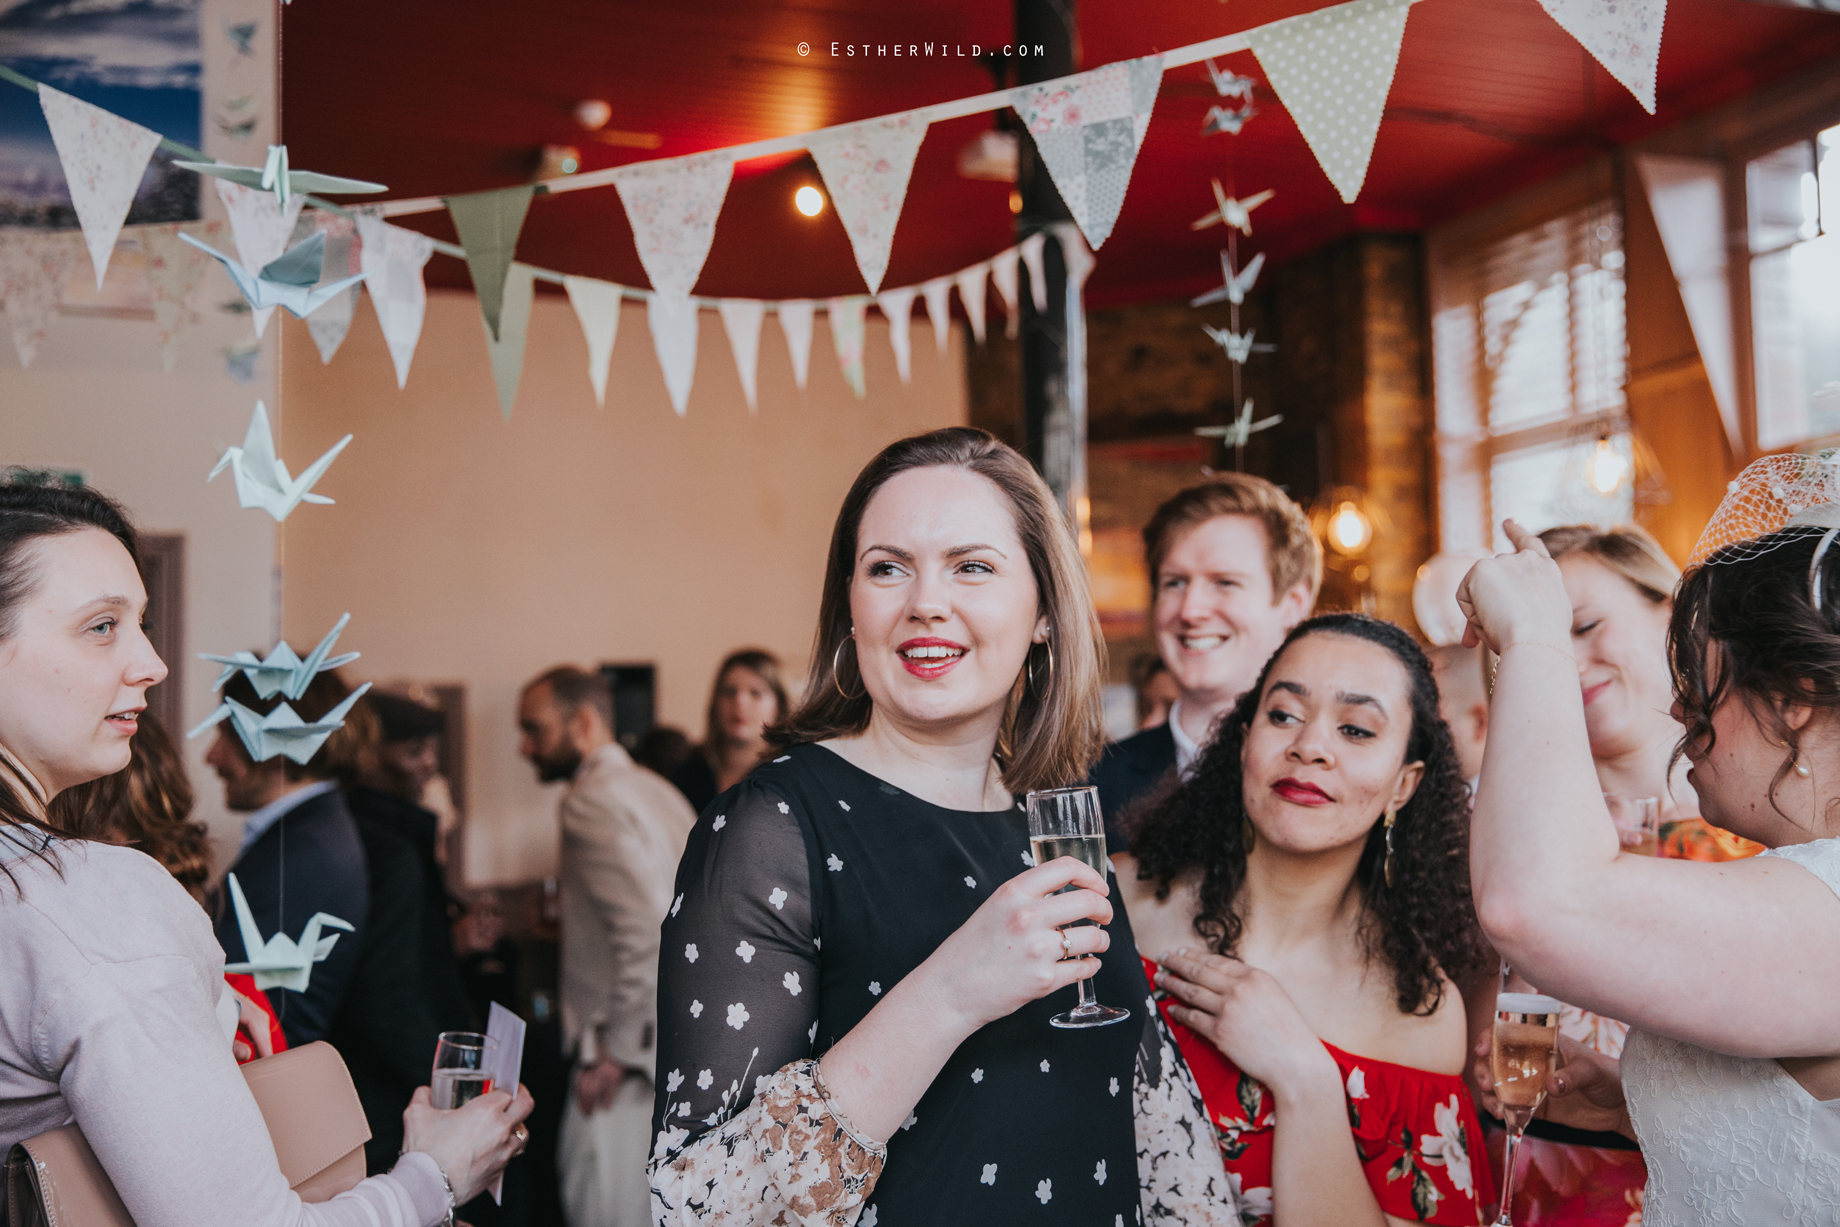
449,1186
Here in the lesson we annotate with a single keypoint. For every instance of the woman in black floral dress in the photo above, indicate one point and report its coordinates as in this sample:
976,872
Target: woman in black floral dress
857,973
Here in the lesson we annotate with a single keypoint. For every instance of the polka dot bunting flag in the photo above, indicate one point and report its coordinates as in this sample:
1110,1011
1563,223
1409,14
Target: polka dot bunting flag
1332,69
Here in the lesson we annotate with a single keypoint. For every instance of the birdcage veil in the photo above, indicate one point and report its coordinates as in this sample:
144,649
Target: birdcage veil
1773,502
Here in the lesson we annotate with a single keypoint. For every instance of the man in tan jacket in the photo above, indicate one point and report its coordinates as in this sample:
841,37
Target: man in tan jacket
623,831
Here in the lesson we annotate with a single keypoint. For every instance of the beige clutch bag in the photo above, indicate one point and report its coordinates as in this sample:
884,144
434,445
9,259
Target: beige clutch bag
307,1101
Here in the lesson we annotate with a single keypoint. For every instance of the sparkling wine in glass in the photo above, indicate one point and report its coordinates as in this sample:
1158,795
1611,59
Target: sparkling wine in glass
1066,822
1521,1061
1638,822
462,1065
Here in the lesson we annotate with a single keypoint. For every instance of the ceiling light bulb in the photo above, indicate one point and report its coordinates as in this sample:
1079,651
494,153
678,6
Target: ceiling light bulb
1608,467
809,201
593,114
1349,531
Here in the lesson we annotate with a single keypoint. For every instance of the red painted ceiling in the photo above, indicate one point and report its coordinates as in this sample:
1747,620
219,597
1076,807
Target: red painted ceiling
450,96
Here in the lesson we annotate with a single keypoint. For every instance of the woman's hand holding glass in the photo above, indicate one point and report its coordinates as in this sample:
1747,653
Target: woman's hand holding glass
1516,598
470,1144
1015,948
1246,1013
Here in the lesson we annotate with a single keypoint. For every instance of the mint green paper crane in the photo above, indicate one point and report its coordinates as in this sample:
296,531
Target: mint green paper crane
274,176
281,962
262,479
281,671
282,731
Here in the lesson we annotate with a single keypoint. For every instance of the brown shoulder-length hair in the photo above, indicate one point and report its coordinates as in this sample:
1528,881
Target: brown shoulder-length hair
1047,740
759,662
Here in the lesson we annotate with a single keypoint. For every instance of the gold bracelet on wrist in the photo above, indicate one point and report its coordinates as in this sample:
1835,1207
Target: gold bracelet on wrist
1495,669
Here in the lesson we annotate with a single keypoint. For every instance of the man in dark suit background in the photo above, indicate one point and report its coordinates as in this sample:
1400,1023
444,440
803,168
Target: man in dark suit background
1233,567
300,852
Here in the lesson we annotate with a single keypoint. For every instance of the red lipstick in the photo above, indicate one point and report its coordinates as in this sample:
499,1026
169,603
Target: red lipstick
1299,793
930,658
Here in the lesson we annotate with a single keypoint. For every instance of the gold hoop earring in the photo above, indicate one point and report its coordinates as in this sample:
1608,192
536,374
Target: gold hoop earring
1029,669
837,670
1387,869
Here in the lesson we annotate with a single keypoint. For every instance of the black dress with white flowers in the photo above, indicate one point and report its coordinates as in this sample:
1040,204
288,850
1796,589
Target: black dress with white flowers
806,892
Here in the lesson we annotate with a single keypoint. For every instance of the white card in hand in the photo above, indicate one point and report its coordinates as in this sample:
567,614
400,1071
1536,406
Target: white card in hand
508,1029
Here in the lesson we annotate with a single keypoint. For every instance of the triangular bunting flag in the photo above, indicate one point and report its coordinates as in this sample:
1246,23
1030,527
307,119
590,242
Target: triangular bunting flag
795,320
261,228
1003,271
597,306
673,322
1088,129
1076,254
1332,69
392,259
506,349
331,322
971,293
672,206
741,319
174,270
866,167
898,306
35,266
847,319
1624,35
104,157
938,294
1030,248
488,224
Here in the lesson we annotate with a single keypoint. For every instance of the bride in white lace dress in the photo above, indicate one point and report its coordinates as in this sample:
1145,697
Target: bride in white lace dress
1729,973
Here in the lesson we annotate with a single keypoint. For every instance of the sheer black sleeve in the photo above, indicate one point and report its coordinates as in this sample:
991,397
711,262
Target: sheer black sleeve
737,963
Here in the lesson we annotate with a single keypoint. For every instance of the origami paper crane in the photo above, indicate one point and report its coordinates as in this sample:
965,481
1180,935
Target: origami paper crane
1237,283
1238,347
1228,120
1229,84
1236,213
1236,433
274,176
281,962
262,480
282,731
282,672
285,282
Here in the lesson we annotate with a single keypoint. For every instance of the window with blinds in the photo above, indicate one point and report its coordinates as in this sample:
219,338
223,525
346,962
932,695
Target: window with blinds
1529,363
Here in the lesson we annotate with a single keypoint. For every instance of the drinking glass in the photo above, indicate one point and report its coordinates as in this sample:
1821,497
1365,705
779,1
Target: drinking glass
462,1065
1066,822
1521,1061
1638,822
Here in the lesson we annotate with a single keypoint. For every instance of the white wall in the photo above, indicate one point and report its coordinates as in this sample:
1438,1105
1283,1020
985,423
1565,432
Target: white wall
470,549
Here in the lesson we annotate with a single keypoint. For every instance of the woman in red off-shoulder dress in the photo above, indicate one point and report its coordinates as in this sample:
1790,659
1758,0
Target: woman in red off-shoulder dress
1306,894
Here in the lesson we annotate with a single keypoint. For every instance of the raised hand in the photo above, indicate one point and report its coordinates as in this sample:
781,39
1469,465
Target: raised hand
1516,598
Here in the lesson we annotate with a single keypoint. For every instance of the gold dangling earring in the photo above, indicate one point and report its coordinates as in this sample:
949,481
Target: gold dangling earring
837,669
1387,870
1247,836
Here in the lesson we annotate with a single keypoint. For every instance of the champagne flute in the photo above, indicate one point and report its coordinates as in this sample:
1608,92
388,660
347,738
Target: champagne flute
462,1068
1521,1061
1638,822
1066,822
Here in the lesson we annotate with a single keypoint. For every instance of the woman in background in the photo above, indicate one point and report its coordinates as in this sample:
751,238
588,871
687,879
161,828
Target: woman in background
748,697
1309,885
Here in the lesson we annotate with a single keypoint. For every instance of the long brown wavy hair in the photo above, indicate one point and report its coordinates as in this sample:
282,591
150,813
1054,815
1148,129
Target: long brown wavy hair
147,805
1046,741
1424,923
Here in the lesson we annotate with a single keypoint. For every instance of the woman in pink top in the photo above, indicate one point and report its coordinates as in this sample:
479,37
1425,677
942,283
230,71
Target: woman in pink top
113,1008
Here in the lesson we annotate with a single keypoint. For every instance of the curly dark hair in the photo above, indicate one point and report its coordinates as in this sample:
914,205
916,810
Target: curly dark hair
1424,923
1755,599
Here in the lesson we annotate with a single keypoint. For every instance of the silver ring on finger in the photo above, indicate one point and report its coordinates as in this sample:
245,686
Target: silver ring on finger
1066,944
